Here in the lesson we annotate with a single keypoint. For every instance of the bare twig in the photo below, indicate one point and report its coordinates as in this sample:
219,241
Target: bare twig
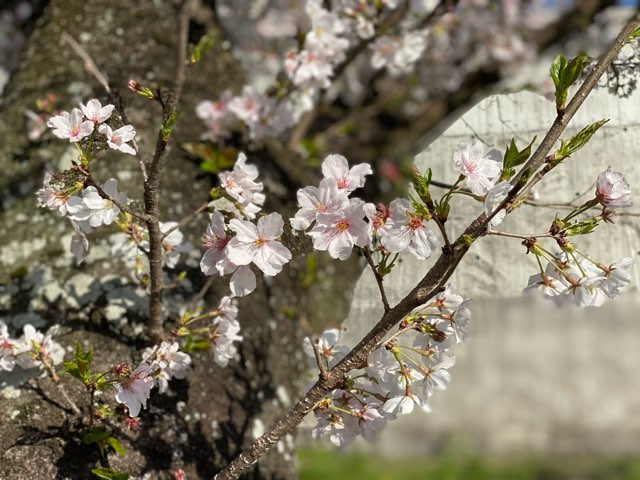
324,375
187,219
433,282
89,65
379,279
152,185
56,379
522,236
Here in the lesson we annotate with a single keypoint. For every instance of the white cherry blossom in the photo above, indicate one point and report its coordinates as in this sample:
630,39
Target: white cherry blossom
339,232
480,170
134,391
117,139
336,168
612,190
95,112
404,229
314,201
71,125
258,244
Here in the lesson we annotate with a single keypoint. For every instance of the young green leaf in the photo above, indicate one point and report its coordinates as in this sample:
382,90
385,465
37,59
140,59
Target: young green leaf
579,140
514,157
109,474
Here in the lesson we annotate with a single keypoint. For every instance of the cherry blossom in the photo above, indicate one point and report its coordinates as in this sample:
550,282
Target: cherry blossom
336,168
339,232
314,201
117,139
71,125
7,358
166,362
51,196
404,229
225,332
95,112
134,390
612,190
480,170
93,209
328,347
215,258
240,184
34,347
258,244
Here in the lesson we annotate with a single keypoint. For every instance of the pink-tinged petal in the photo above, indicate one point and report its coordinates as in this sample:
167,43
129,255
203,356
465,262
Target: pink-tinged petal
243,282
105,130
125,148
270,227
335,167
397,239
271,257
341,246
209,261
423,243
246,231
241,253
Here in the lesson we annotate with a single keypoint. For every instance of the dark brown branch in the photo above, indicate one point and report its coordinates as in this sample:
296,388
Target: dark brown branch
383,294
152,184
432,283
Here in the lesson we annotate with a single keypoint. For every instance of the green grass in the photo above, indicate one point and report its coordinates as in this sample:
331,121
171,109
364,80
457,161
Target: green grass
335,465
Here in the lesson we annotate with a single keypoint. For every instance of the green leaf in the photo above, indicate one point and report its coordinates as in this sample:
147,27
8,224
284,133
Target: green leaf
633,35
205,43
564,74
95,435
212,159
195,344
116,445
581,228
421,186
514,157
568,147
109,474
80,366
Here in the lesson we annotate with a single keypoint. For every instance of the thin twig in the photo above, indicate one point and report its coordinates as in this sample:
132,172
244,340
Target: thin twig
432,283
187,219
152,185
89,65
56,379
521,236
324,374
143,217
379,279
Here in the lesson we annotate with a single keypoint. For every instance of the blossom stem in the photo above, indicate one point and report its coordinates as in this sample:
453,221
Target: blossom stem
521,236
321,365
383,295
56,379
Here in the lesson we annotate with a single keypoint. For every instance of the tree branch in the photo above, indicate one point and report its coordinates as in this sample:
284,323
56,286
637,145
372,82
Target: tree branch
432,283
152,184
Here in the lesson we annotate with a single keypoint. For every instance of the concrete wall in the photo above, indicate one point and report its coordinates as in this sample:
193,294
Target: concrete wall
531,377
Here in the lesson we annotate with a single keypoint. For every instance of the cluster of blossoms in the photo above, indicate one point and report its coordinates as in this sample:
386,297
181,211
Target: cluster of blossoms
340,222
87,120
317,40
573,277
30,350
159,364
311,67
231,247
402,372
86,205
